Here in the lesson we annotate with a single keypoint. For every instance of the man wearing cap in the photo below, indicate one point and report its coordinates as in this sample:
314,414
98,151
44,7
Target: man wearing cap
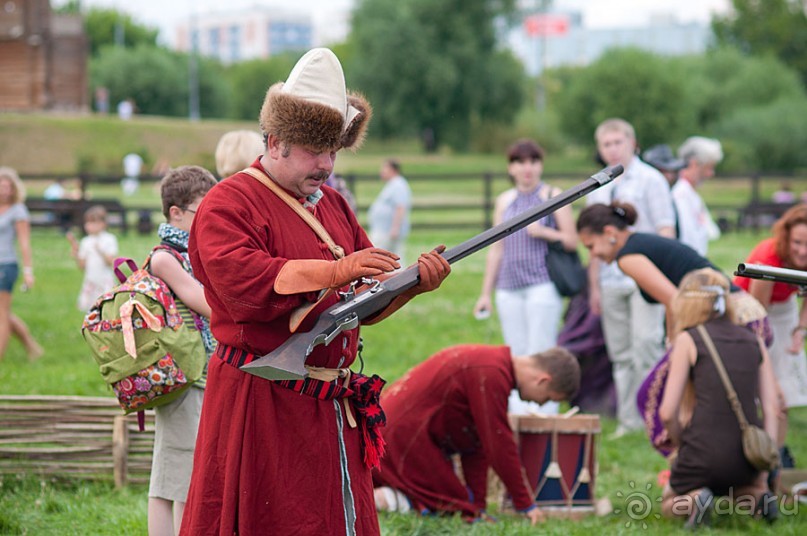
289,457
662,158
700,156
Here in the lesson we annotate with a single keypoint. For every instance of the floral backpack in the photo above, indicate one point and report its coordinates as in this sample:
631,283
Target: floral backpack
144,349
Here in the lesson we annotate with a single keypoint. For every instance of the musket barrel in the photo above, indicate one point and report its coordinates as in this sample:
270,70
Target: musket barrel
288,360
772,273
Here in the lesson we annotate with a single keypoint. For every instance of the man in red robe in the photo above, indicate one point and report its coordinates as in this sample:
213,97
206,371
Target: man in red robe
287,457
455,402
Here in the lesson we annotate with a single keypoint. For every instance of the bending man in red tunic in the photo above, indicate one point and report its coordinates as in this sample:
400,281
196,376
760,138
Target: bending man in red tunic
455,402
288,457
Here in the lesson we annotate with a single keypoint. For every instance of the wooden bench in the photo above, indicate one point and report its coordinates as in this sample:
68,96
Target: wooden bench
68,213
762,214
74,437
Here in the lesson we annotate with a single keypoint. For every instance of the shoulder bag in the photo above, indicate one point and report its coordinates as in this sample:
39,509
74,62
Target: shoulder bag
759,449
564,267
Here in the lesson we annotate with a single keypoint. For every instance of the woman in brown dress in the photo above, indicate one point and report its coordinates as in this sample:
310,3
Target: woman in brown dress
710,460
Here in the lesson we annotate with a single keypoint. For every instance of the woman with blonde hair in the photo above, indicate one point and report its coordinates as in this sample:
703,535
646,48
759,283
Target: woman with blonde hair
14,226
710,460
236,150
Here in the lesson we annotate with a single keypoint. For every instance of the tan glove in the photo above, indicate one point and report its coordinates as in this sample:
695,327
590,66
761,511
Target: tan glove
311,275
432,270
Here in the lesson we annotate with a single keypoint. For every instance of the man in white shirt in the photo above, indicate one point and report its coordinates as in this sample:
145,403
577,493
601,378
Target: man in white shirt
633,328
389,213
132,164
695,225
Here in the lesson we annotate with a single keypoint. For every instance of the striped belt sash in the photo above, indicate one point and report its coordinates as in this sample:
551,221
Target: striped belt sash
364,393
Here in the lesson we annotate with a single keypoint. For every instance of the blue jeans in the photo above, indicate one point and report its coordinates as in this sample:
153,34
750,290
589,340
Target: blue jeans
8,276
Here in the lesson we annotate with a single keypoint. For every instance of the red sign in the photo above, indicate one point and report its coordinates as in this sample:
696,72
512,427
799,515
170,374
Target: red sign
546,25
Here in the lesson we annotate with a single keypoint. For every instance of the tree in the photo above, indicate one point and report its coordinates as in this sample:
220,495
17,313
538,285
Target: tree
157,79
772,27
101,25
724,81
250,80
638,86
431,68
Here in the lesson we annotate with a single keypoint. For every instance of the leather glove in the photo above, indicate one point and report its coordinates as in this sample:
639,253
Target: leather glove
432,270
311,275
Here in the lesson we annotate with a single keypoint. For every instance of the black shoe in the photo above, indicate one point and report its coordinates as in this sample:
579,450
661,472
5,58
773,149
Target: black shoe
701,510
787,458
767,507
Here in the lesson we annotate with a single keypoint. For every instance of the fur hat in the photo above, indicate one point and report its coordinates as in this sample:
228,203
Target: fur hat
313,108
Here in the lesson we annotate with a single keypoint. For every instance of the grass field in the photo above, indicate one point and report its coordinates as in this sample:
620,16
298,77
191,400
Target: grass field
63,144
31,505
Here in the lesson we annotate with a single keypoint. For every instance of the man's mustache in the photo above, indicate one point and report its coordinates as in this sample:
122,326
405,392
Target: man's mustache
321,176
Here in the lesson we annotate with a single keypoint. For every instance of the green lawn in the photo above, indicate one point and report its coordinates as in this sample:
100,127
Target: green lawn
31,505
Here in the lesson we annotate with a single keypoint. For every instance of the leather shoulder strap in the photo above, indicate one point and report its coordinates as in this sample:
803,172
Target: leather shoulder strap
336,250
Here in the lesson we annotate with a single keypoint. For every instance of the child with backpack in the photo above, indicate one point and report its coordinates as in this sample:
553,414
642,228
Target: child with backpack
176,423
94,255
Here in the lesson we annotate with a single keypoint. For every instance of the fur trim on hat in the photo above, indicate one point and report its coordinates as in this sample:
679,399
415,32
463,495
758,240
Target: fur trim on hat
354,134
297,121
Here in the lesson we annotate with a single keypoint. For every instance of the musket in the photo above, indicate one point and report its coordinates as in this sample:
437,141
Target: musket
773,273
287,361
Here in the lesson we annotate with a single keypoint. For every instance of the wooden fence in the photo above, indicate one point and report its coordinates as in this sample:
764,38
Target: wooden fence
466,200
74,437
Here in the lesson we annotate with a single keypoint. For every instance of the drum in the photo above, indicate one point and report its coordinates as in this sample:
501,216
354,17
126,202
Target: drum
559,456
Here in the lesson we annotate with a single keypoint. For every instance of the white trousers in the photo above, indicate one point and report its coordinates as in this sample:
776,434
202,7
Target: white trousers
530,319
790,369
634,337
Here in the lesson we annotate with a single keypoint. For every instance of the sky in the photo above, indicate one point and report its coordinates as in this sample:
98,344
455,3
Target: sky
166,14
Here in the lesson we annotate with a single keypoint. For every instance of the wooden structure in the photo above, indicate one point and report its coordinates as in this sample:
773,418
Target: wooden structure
43,58
69,213
74,437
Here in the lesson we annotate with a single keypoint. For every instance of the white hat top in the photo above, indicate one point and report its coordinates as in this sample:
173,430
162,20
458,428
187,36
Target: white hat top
318,77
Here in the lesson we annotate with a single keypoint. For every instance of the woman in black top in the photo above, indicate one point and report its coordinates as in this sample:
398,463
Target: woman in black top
657,265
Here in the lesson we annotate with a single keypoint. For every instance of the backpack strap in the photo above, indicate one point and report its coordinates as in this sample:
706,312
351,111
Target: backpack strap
162,246
116,267
173,251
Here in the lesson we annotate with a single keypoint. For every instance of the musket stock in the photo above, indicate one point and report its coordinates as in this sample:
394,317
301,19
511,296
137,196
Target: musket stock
287,361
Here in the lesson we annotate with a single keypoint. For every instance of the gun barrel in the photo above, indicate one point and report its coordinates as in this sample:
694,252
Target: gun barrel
288,360
772,273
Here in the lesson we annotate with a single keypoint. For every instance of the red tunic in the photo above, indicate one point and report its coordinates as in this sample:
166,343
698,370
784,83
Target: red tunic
455,402
765,253
269,460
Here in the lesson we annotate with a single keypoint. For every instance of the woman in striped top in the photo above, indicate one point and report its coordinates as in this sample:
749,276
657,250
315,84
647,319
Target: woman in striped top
527,302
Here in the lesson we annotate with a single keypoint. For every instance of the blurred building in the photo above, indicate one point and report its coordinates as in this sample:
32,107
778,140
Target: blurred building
235,36
553,39
43,58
